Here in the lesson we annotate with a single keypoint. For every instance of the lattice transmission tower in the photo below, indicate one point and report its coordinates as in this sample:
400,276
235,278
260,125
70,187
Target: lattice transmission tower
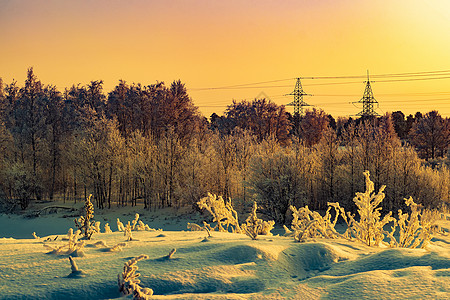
368,101
298,102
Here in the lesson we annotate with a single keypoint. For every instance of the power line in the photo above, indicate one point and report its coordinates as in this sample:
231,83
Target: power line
410,74
387,95
317,84
339,103
430,75
412,79
240,85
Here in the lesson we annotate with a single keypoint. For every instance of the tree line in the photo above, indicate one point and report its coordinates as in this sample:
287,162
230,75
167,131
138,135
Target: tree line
150,145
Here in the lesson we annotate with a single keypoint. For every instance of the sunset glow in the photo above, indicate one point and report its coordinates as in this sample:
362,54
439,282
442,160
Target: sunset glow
211,44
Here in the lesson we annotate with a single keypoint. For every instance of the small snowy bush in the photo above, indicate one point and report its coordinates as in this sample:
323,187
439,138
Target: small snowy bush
310,224
196,227
76,272
107,228
222,211
116,248
136,225
129,283
135,221
414,229
193,227
171,253
254,226
369,228
72,248
128,232
226,218
120,226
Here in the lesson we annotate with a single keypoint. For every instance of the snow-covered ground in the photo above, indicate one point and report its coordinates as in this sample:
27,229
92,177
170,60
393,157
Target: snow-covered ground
225,266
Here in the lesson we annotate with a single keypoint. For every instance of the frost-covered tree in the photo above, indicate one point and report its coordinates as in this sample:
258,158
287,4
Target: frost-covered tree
312,126
431,135
85,223
262,117
329,156
275,182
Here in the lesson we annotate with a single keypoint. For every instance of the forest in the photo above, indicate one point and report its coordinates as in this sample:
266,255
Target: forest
149,145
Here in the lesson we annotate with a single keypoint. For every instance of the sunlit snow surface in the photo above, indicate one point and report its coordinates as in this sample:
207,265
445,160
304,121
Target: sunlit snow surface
226,266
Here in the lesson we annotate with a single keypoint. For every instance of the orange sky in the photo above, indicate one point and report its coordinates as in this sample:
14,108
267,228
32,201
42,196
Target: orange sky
220,43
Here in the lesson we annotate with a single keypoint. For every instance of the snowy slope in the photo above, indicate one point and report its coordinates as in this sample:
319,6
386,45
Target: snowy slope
226,266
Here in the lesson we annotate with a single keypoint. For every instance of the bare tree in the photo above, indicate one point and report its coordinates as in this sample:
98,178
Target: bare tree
262,117
431,135
312,126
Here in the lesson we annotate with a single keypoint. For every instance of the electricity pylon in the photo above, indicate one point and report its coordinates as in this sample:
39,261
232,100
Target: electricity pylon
367,101
298,102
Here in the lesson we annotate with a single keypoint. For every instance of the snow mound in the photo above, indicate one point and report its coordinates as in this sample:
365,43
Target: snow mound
408,283
238,254
307,259
393,259
215,279
397,273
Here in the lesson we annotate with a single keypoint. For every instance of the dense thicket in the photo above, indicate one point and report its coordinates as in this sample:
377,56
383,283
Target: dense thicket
150,145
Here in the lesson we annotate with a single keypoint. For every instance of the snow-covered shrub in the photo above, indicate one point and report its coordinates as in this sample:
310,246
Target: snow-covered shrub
72,248
99,244
97,227
116,248
227,218
310,224
76,272
414,229
73,238
135,221
84,223
136,225
254,226
195,227
129,283
143,227
369,228
222,211
127,232
171,253
120,226
107,228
